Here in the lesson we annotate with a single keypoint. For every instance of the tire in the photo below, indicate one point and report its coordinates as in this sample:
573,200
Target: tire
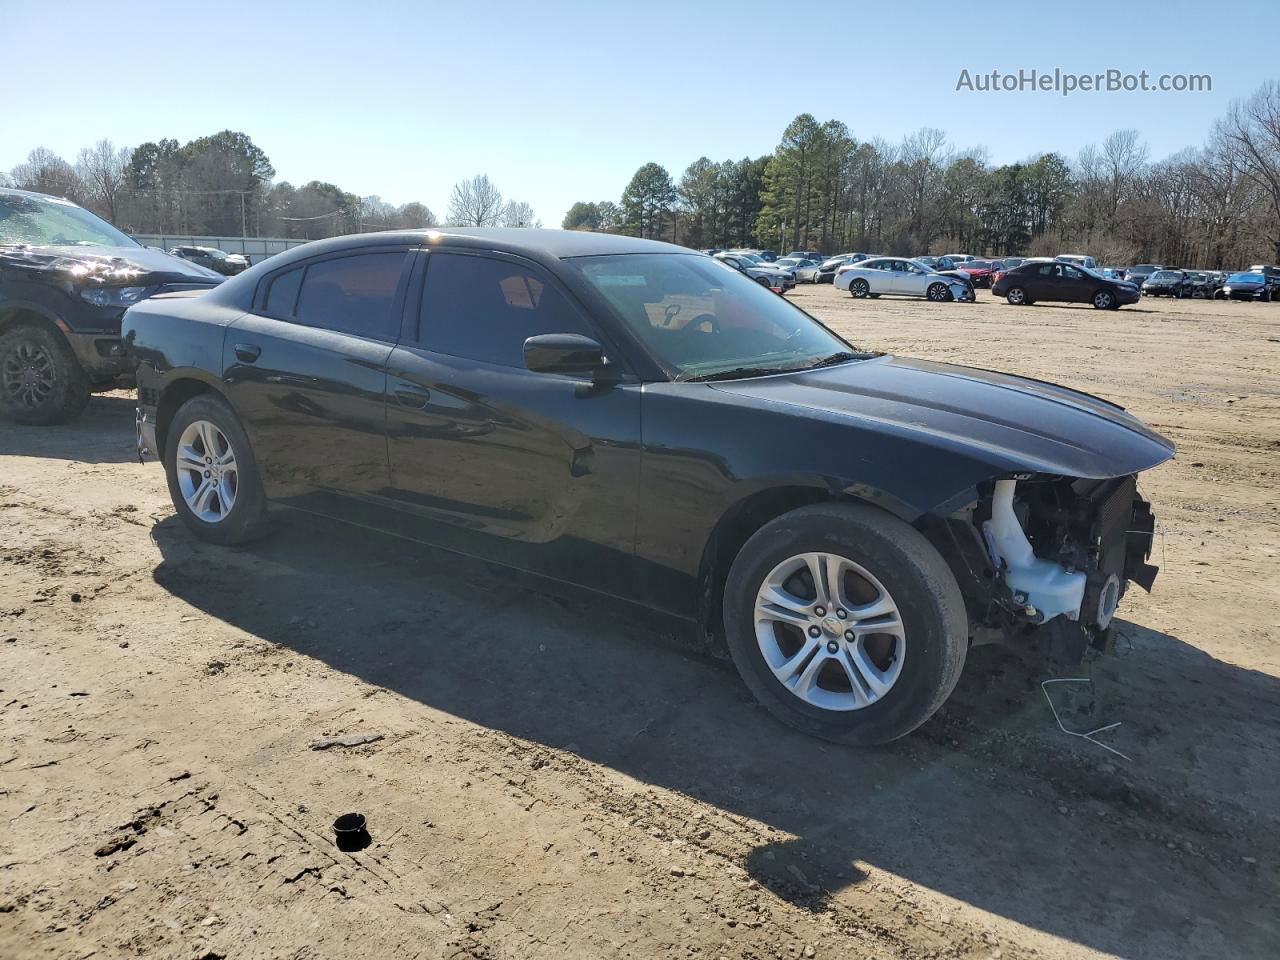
41,381
914,672
1017,296
938,293
242,516
859,288
762,281
1104,300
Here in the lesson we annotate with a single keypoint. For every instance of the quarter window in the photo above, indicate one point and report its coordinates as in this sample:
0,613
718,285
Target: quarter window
283,293
485,309
352,294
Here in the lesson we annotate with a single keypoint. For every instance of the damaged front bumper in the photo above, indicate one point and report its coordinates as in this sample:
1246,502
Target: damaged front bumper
1063,553
145,426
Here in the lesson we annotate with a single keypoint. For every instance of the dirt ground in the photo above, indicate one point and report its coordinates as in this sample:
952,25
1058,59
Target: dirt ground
560,778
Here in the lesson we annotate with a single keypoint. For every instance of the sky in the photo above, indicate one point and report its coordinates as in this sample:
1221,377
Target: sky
562,101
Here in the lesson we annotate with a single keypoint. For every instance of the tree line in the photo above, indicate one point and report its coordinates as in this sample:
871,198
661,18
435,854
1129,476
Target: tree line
1212,206
222,185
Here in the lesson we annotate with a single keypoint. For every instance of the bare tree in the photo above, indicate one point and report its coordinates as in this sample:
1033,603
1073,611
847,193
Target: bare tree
102,168
476,203
1252,129
520,214
417,215
46,172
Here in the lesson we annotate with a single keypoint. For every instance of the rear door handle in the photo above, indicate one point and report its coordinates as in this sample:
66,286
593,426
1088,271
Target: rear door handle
248,352
410,396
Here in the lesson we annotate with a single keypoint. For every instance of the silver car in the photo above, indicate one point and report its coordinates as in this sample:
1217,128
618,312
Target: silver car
806,271
900,277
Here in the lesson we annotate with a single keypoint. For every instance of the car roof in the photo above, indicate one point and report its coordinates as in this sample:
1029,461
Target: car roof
540,244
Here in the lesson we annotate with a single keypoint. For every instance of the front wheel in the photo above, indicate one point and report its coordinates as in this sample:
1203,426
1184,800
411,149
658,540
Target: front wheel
1104,300
41,382
859,288
845,623
213,476
938,292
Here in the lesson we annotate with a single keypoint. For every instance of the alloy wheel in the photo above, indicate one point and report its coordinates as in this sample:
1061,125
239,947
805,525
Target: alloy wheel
937,292
860,288
27,375
207,472
829,631
1016,296
1102,300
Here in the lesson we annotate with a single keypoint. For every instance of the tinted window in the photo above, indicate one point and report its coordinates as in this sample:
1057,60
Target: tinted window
485,309
283,293
352,294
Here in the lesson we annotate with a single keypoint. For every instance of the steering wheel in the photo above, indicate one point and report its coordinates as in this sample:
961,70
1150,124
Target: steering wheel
697,323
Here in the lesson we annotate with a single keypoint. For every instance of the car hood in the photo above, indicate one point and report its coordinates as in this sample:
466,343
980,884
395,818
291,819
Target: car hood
1012,423
109,265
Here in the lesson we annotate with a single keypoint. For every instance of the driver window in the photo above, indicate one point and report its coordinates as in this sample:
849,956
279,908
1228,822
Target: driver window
484,309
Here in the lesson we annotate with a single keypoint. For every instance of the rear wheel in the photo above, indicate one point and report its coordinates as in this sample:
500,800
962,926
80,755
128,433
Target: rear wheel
860,288
213,476
41,381
1017,296
845,623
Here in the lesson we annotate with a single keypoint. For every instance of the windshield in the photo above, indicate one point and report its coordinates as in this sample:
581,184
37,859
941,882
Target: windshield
45,221
700,318
1246,278
1166,275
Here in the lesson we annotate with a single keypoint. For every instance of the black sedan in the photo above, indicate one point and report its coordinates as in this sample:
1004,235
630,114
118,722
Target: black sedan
644,421
1036,280
1169,283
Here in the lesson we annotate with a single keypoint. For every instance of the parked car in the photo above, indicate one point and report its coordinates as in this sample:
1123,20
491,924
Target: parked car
1112,273
66,277
768,256
764,274
838,517
806,271
959,257
806,255
219,261
1079,259
1168,283
1037,280
1249,285
1201,283
1011,262
827,269
937,263
768,270
980,271
900,277
1138,274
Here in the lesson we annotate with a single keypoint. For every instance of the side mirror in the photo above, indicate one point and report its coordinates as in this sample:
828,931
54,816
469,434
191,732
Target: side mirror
563,353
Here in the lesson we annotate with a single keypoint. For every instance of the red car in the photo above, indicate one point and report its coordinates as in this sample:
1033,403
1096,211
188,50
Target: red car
981,271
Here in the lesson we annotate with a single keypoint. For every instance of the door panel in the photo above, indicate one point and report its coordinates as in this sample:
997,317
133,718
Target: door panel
312,402
535,470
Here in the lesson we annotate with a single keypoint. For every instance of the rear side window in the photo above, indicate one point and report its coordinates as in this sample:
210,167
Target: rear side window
351,294
283,293
485,309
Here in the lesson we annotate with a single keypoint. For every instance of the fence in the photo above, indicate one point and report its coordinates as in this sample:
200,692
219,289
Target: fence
256,249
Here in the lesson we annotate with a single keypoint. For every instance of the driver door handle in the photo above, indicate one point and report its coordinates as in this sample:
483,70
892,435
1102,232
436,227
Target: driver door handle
414,397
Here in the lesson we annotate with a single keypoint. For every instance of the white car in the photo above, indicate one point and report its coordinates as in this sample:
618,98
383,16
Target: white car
900,277
806,271
1077,259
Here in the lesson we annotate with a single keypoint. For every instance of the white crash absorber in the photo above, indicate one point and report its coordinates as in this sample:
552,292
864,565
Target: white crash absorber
1048,587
